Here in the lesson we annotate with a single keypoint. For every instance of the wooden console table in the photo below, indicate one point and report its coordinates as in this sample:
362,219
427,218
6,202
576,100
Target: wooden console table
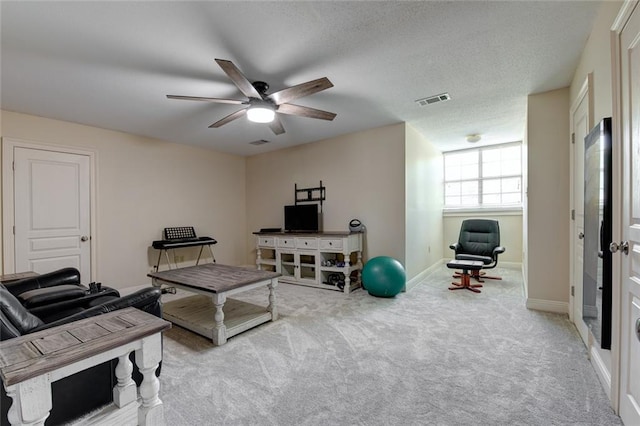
30,363
312,259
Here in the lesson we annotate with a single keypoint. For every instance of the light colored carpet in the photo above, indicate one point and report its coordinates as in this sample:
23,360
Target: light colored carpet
427,357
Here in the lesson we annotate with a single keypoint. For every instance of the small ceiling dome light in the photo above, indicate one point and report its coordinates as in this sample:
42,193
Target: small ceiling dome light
473,138
262,113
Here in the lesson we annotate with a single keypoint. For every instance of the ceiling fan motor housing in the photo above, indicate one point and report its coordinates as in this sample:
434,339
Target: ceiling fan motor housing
261,87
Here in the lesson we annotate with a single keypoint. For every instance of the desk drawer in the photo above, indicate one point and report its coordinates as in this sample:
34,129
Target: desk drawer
306,243
331,244
267,241
287,242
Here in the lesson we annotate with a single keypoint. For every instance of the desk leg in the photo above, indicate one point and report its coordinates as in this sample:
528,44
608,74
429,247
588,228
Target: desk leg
158,262
124,392
272,299
199,255
148,357
166,254
213,258
31,401
220,331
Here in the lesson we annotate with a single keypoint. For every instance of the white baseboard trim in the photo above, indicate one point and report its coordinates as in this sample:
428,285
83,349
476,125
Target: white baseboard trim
413,282
548,306
510,265
601,370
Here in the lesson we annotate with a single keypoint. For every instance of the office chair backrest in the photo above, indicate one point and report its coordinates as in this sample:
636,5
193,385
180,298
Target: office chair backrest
479,236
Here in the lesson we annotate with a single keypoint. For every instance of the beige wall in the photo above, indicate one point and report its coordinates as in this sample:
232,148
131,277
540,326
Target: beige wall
144,185
596,59
510,233
364,178
424,202
548,196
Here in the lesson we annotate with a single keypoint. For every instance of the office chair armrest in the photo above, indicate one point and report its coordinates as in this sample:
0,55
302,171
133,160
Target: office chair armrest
454,247
498,250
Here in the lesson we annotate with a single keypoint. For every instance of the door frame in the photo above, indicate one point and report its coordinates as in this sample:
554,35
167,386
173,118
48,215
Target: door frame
8,197
617,161
586,90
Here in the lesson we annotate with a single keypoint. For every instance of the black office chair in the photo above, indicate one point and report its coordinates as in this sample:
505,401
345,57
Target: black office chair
479,240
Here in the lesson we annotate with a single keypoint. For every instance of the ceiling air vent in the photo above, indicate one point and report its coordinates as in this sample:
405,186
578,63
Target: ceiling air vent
433,99
259,142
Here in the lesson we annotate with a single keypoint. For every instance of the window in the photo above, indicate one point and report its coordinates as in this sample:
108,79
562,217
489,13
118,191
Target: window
483,177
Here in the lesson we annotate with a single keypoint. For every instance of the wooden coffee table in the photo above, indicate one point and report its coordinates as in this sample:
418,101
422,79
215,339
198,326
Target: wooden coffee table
209,312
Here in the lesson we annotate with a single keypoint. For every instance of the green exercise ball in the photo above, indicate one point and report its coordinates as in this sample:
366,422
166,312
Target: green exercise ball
383,276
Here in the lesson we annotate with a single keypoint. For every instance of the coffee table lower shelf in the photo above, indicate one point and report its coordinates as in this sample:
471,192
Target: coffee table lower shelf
197,313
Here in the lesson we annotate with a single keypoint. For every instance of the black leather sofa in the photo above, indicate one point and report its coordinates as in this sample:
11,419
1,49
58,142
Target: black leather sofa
57,298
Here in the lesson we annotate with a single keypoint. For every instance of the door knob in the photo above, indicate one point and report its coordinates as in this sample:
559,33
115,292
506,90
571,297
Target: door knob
623,247
581,235
84,238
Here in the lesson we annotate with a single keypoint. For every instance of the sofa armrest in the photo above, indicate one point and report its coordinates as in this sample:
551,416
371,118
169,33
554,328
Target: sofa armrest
147,299
48,295
64,276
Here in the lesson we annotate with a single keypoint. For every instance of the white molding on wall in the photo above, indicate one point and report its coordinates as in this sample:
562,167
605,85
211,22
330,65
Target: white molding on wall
548,306
509,265
484,212
599,365
413,282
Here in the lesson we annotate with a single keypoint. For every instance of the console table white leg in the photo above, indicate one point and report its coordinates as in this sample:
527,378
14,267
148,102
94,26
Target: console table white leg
360,266
347,276
273,308
124,392
220,330
31,401
148,357
259,257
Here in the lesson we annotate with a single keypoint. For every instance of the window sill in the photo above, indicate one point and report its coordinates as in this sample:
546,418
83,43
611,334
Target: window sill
482,211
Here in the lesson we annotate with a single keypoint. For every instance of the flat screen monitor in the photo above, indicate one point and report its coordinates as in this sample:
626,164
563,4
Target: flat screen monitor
301,218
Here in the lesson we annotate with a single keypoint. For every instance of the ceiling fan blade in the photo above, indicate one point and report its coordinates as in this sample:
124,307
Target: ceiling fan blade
216,100
276,126
229,118
238,78
300,90
304,111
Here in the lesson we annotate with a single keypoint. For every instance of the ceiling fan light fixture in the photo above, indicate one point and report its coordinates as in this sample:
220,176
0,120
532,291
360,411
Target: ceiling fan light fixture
261,114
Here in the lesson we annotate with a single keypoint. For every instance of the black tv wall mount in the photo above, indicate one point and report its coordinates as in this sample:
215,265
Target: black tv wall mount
310,195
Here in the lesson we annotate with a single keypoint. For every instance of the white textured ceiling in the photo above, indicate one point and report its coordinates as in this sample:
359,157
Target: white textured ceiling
110,64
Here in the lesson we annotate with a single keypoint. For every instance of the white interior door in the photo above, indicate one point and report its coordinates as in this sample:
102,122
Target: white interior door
52,208
630,291
581,125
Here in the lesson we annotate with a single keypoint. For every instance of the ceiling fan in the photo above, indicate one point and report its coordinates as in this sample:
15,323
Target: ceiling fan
262,107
